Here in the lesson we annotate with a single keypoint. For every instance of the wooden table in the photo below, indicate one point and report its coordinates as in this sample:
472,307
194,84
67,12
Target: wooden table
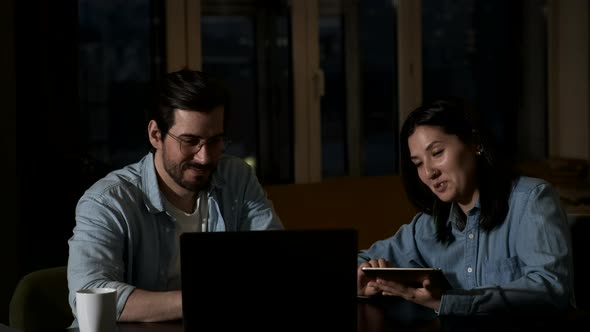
400,316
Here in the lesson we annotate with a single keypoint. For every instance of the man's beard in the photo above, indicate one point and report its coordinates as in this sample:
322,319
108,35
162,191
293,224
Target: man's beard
176,172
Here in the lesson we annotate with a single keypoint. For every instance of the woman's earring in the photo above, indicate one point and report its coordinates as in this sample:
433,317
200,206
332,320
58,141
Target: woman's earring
479,151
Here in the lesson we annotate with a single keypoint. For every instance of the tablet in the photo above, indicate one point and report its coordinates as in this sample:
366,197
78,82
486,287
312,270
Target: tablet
412,276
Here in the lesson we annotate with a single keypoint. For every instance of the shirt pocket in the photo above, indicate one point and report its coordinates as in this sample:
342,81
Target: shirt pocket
502,271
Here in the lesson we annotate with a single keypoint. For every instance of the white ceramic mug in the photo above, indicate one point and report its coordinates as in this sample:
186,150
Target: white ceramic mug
96,309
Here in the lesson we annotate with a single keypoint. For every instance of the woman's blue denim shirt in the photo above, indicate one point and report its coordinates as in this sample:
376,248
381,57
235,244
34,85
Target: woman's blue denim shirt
524,262
123,237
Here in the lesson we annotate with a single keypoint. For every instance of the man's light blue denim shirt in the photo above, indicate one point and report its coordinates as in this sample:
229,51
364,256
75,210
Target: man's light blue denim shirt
124,238
524,262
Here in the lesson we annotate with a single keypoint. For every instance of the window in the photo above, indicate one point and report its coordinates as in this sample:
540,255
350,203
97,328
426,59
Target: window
119,61
491,53
319,86
248,45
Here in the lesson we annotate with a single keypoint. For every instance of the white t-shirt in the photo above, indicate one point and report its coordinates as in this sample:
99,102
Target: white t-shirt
186,222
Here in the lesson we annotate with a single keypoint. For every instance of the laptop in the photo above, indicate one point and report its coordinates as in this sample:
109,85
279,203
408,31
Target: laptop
276,280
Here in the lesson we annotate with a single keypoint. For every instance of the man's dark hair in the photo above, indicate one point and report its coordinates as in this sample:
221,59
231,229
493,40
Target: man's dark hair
189,90
494,177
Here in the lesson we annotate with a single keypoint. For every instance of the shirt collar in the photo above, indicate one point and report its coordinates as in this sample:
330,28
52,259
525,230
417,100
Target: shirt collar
455,214
153,197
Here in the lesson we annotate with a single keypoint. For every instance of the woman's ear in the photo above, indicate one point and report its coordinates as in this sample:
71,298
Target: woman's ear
476,141
475,137
479,149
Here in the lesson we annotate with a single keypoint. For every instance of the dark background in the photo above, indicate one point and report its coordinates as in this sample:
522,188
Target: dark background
43,173
46,169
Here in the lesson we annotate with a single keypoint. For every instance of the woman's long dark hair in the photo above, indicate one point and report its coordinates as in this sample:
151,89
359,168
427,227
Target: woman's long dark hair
494,177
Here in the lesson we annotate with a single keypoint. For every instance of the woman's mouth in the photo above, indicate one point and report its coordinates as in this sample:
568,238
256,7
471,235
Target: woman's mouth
440,186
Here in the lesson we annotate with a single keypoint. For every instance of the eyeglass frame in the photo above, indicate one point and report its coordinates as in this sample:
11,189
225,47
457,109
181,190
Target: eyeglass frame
223,139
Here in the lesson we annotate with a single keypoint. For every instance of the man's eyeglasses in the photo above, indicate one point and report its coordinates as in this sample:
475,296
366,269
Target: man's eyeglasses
215,145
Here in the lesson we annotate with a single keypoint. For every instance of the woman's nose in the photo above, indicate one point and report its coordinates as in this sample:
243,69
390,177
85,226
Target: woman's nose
432,172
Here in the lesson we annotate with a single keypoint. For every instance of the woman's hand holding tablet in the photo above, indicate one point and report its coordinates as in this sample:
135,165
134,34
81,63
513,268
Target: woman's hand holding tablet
412,277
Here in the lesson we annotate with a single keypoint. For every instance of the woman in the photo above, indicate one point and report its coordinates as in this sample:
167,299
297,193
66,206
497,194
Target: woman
502,240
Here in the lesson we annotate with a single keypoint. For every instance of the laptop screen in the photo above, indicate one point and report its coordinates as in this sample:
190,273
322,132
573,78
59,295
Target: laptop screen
279,280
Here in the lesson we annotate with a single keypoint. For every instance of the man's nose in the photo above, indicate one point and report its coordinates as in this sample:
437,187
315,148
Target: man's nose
204,154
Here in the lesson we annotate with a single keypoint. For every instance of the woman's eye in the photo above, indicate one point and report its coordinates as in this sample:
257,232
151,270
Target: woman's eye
436,153
418,164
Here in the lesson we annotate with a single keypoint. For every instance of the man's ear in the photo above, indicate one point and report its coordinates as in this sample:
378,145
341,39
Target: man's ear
154,134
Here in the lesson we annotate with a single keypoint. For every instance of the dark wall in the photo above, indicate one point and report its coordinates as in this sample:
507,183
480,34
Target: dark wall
47,134
47,131
8,224
45,108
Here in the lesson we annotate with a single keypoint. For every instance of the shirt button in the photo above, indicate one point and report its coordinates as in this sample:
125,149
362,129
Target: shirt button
469,269
471,236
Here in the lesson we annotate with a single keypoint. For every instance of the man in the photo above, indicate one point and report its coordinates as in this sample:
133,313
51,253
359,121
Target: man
128,223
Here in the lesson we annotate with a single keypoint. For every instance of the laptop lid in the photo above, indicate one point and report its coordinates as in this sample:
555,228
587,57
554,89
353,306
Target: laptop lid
279,280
